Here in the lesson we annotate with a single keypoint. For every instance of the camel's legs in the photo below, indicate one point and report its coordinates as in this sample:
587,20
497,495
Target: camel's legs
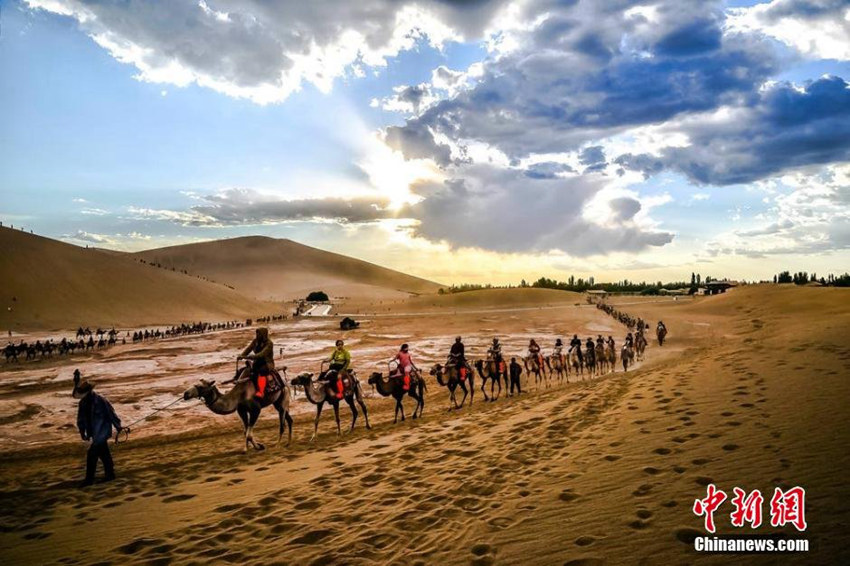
243,416
253,416
397,404
400,407
336,416
316,423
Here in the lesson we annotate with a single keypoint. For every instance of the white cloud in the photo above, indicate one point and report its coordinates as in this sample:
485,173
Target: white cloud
265,51
817,29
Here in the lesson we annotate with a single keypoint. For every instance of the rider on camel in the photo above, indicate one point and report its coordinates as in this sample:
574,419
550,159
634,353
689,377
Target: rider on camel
575,344
610,342
495,353
591,351
261,353
534,351
340,361
630,341
457,357
405,364
556,351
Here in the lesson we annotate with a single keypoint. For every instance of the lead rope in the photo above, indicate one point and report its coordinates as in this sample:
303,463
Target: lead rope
127,429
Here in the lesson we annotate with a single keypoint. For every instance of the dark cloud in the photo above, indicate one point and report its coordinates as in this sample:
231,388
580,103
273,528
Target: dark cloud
591,69
624,208
547,170
245,207
417,142
504,210
785,127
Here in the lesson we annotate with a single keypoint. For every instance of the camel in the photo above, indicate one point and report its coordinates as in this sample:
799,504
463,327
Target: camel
317,393
601,359
640,345
590,361
576,362
533,366
488,369
241,399
557,366
449,376
628,355
661,333
393,386
611,357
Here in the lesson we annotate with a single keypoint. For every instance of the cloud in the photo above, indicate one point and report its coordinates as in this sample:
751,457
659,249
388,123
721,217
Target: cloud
547,170
809,215
91,238
241,207
264,51
503,210
624,208
785,127
584,70
817,28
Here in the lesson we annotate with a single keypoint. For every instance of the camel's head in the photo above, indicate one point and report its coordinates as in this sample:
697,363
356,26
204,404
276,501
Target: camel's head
437,369
302,379
373,379
199,390
479,364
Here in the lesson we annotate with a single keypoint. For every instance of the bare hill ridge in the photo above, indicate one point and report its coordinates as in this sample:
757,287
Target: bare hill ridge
50,284
279,269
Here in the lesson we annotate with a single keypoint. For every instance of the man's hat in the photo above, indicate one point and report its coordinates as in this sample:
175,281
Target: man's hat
81,387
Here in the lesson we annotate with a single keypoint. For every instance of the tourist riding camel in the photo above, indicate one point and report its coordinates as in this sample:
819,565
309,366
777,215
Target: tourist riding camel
534,352
340,362
575,344
457,358
405,365
557,351
261,353
495,354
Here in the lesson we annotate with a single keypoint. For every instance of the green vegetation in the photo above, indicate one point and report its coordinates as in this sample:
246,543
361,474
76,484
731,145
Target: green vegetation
317,297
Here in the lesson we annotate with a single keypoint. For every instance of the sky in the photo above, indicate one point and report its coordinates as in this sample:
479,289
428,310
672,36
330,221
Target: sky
481,141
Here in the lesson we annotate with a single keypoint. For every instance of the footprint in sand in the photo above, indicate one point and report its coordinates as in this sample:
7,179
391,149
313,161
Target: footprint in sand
662,451
178,497
482,554
730,447
687,535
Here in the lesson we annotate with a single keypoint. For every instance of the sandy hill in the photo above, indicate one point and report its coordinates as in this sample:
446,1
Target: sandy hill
273,269
480,299
51,284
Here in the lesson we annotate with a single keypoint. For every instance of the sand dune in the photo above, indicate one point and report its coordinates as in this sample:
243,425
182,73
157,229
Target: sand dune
51,284
272,269
751,391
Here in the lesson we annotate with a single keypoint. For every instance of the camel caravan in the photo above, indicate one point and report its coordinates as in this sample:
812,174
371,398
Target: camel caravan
87,341
257,384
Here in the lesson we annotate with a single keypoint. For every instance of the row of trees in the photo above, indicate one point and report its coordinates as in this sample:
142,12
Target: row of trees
803,278
577,284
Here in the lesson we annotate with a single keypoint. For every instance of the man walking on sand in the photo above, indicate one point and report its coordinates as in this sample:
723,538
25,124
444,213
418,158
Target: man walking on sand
95,420
516,371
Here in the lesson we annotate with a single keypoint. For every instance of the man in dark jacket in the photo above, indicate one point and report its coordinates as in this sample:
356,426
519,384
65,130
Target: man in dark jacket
261,353
516,371
95,420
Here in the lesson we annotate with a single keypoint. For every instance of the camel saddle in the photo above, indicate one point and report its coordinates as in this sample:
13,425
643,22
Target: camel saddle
348,382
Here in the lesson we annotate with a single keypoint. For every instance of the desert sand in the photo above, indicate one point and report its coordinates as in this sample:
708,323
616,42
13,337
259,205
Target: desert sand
289,270
751,390
47,284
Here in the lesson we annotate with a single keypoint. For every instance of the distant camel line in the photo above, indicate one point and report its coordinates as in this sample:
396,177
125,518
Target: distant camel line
105,338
